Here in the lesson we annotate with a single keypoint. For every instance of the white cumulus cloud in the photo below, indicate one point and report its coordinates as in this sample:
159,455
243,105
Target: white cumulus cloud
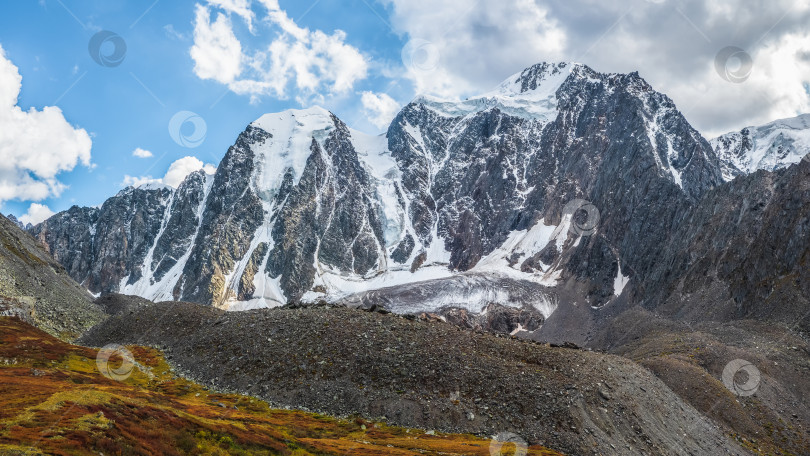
459,47
177,173
239,7
35,146
380,108
293,58
141,153
216,52
37,213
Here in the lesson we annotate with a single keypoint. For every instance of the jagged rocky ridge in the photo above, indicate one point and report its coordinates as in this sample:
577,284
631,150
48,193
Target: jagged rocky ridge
19,223
453,196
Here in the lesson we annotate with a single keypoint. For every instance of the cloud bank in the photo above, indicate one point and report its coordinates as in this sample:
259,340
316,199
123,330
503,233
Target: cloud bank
474,46
37,213
35,146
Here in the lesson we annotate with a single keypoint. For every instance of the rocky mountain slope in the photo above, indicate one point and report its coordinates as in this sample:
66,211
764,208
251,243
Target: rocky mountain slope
552,177
36,288
342,361
742,253
770,147
692,359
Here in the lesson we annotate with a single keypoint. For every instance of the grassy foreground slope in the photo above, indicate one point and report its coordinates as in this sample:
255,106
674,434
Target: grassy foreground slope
54,400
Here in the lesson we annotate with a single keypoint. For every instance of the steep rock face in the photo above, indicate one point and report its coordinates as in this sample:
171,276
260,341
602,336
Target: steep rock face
741,253
124,233
181,222
176,228
104,249
69,237
479,171
551,177
330,219
772,146
231,214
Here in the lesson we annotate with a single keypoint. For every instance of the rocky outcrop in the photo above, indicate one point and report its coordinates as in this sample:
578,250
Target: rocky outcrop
35,288
742,253
496,318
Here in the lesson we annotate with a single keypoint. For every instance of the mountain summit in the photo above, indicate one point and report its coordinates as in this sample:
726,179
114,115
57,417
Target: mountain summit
772,146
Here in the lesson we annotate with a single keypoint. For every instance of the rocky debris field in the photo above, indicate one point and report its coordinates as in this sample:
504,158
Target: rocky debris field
523,321
691,358
430,375
37,288
57,401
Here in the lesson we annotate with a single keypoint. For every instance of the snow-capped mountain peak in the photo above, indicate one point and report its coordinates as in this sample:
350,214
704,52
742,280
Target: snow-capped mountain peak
287,145
772,146
540,77
291,119
472,191
530,94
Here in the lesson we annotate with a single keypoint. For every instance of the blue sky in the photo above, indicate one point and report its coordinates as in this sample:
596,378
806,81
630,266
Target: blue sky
230,61
129,106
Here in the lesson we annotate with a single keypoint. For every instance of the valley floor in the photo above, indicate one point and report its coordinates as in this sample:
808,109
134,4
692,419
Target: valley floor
421,374
54,400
